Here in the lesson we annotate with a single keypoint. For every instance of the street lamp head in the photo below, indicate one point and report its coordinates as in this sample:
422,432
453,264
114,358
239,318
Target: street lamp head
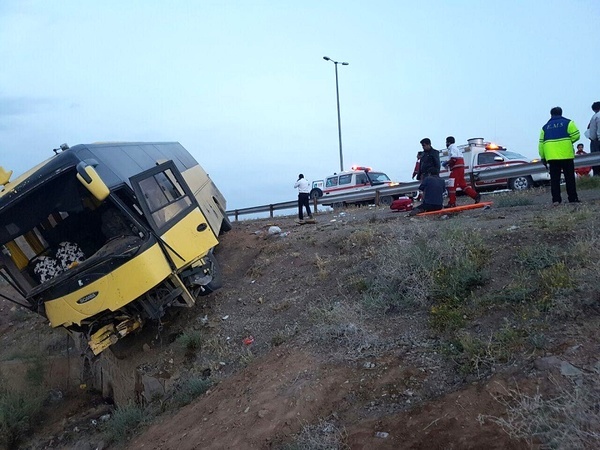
344,64
326,58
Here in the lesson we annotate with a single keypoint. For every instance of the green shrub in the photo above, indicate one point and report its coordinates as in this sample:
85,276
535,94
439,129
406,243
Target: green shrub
18,412
446,317
190,341
124,423
191,389
454,283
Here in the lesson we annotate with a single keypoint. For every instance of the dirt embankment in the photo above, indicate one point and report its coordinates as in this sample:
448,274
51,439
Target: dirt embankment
355,343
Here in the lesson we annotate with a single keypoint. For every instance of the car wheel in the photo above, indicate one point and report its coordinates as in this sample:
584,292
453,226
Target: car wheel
520,183
386,200
316,193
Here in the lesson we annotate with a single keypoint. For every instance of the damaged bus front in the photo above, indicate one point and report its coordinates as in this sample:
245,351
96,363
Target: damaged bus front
103,237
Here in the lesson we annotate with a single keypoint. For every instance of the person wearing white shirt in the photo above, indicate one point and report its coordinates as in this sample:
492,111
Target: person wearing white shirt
303,197
593,134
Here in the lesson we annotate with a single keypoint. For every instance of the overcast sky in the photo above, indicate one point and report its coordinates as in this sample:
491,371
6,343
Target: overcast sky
244,87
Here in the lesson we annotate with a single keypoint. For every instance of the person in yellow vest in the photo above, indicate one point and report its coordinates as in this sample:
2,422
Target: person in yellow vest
556,150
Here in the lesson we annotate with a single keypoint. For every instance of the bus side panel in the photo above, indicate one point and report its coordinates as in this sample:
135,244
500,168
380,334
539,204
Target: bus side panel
115,290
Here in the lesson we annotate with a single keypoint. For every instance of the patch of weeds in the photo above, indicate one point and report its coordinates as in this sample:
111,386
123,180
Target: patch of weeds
21,314
584,249
555,277
214,347
569,419
538,341
191,389
453,283
275,248
19,411
537,257
446,317
255,271
332,313
362,238
36,371
477,356
284,335
588,183
512,199
190,341
282,305
519,290
124,423
358,284
562,220
339,324
246,357
373,218
321,266
389,298
324,435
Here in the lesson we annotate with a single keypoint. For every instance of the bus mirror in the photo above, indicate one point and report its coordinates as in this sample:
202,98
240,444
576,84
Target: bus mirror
4,176
87,175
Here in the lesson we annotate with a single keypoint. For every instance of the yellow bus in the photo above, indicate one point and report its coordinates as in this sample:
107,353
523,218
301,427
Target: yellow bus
101,238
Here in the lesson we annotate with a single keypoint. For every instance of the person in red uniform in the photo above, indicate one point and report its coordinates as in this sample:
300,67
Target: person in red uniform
456,164
417,165
582,171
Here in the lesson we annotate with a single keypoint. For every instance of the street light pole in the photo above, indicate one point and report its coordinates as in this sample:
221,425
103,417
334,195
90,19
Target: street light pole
337,94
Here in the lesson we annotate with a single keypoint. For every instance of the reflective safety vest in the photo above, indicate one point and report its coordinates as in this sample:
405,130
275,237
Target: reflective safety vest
557,138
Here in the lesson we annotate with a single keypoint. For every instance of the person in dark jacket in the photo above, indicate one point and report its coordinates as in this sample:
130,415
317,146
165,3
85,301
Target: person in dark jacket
430,159
433,193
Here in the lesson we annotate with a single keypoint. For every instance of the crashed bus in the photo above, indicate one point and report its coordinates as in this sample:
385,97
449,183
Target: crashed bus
101,238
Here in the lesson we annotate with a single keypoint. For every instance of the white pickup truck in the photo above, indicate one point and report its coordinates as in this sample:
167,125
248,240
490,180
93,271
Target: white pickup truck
480,155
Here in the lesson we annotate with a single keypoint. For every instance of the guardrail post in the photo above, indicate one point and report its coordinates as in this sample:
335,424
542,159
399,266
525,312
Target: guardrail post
237,213
472,179
315,203
376,197
271,209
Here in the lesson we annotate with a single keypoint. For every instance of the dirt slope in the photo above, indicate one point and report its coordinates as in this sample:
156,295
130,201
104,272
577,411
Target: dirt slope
337,349
367,373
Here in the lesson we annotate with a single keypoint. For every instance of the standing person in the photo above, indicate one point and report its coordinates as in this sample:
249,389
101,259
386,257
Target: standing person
593,134
303,197
417,165
430,158
433,193
456,164
556,149
582,171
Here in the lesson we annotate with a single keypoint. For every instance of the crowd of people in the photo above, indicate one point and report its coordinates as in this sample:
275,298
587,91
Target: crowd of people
555,148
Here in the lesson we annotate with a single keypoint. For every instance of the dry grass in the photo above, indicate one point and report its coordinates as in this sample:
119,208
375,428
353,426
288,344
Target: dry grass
567,420
324,435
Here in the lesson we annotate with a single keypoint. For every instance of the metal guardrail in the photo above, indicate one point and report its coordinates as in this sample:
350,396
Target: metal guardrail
509,171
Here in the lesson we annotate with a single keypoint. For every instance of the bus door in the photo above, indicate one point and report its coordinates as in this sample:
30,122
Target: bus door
173,213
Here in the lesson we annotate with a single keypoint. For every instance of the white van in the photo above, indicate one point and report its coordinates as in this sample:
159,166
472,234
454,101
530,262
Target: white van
359,179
